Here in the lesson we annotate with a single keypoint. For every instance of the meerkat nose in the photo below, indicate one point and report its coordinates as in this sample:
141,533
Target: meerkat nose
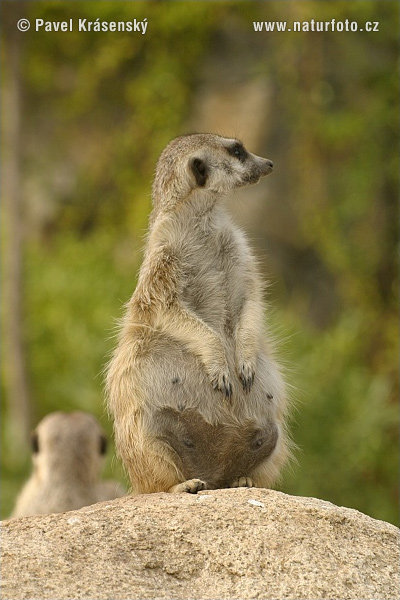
267,167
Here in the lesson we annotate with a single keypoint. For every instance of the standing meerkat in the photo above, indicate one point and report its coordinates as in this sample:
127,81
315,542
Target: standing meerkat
197,398
68,451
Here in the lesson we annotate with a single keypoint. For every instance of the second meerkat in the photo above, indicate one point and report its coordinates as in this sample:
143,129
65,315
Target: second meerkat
197,398
68,450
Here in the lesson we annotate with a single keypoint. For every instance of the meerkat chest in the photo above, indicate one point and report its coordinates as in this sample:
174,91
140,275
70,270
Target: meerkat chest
214,267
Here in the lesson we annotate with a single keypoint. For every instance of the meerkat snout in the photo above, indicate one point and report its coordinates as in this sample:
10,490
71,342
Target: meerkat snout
258,168
269,166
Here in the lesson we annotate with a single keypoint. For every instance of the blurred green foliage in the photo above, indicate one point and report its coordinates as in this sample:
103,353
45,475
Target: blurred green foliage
99,108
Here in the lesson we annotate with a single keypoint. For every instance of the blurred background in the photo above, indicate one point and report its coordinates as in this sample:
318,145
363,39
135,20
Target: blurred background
84,118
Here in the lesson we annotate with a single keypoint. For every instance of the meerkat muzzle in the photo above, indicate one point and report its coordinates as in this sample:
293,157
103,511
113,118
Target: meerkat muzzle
269,167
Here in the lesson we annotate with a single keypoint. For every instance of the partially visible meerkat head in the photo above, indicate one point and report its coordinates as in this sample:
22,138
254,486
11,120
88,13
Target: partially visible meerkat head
69,446
205,162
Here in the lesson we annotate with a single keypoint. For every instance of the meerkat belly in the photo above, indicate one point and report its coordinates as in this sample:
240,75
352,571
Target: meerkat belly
171,376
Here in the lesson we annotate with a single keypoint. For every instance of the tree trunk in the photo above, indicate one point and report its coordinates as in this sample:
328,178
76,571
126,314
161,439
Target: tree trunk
19,417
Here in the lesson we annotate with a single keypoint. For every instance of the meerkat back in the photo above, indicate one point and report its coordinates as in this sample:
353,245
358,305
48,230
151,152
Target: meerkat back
197,397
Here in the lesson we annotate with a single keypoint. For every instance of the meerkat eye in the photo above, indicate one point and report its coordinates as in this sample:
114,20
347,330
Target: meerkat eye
238,151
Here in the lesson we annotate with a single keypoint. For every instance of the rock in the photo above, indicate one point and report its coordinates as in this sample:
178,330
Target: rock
241,543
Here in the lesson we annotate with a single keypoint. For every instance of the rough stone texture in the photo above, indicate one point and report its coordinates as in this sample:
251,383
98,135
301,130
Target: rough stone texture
242,543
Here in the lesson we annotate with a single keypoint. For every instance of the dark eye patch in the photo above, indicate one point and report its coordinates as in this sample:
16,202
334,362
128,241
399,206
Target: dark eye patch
238,151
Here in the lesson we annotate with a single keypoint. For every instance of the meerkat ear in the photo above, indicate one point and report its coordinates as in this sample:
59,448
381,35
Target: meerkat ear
34,442
103,444
199,170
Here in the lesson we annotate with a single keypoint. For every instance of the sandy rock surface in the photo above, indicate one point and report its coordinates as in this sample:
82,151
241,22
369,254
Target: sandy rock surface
241,543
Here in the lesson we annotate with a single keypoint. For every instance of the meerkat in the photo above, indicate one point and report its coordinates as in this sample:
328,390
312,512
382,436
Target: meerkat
196,395
67,455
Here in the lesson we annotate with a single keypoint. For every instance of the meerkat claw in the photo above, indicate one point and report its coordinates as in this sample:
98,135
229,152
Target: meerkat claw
223,385
242,482
246,376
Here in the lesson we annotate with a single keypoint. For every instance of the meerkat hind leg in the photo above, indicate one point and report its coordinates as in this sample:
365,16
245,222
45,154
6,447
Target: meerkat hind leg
242,482
191,486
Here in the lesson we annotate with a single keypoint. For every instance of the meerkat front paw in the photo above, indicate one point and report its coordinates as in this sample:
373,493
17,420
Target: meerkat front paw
191,486
220,381
246,370
246,374
242,482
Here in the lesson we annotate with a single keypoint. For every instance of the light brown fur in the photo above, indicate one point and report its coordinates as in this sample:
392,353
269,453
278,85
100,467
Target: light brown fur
68,450
193,347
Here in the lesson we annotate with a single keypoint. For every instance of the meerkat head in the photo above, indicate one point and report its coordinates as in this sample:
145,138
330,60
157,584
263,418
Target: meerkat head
206,163
222,164
68,445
